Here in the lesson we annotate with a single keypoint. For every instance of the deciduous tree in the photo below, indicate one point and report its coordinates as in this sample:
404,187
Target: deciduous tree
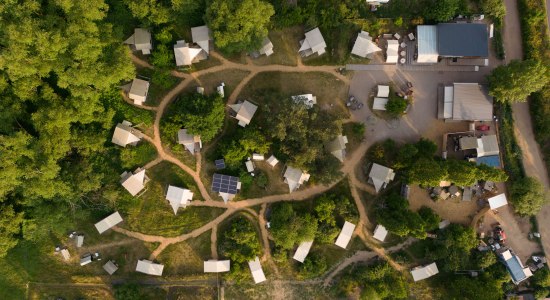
517,80
527,196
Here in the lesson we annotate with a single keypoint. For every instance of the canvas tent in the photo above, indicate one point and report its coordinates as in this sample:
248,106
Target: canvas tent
149,267
380,233
380,176
216,266
295,178
497,201
133,182
110,267
427,44
313,43
191,142
392,50
138,91
267,47
244,111
337,147
178,197
125,134
379,103
66,255
306,99
364,46
86,260
201,36
465,102
345,235
514,266
108,222
256,270
272,161
421,273
302,251
257,156
140,40
383,91
249,166
79,240
186,55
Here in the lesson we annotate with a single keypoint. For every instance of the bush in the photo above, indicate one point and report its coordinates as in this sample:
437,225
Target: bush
528,196
396,106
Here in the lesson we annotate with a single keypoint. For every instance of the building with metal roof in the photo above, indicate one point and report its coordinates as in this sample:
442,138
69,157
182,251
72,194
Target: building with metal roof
217,266
345,235
380,233
421,273
148,267
465,102
244,111
463,40
134,182
514,266
380,176
201,35
178,197
192,143
497,201
256,270
313,43
140,41
427,44
302,251
295,178
110,267
364,46
107,223
383,91
138,91
125,134
227,186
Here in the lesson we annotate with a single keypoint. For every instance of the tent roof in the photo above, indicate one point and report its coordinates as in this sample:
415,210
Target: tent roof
424,272
201,35
497,201
188,140
139,87
379,103
125,134
110,267
178,197
380,233
267,47
148,267
427,43
364,45
245,111
463,39
256,270
294,178
217,266
380,175
315,41
337,147
345,235
383,91
108,222
392,50
302,251
471,102
141,39
133,182
272,161
184,54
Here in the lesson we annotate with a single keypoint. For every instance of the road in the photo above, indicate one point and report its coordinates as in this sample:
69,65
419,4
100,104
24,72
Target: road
533,161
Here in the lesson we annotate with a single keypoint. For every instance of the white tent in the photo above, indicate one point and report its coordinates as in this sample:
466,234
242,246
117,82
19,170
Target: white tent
178,197
133,182
392,52
379,103
249,166
295,178
421,273
110,267
302,251
383,91
149,267
427,44
256,270
313,43
216,266
345,235
125,134
380,233
65,253
201,36
364,45
380,176
185,55
497,201
86,260
257,156
108,222
272,161
138,91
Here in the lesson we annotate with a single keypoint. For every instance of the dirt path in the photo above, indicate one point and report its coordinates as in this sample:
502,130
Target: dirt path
214,242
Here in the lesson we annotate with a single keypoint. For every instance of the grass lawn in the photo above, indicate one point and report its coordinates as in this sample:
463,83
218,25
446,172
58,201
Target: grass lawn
134,157
186,258
231,78
193,293
152,214
286,43
49,292
205,64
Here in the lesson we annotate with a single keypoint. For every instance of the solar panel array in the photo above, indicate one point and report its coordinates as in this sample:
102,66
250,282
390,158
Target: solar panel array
225,184
220,164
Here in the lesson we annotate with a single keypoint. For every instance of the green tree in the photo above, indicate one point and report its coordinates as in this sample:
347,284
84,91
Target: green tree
441,10
494,8
396,106
430,218
387,282
455,245
240,242
398,219
288,228
239,25
427,172
10,228
426,148
313,266
151,12
485,259
324,209
127,291
527,196
517,80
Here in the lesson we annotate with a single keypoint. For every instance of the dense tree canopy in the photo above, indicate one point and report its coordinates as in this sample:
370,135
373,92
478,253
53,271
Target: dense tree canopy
240,242
441,10
239,25
494,8
290,228
517,80
242,144
527,196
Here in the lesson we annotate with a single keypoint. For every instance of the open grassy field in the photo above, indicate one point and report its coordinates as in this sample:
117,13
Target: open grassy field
40,292
286,43
231,78
186,258
152,214
193,293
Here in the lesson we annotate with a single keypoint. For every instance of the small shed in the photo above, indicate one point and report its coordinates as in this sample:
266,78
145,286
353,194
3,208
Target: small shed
217,266
302,251
86,260
497,201
249,166
383,91
79,240
257,156
108,222
149,267
256,270
380,233
66,255
421,273
379,103
272,161
110,267
345,235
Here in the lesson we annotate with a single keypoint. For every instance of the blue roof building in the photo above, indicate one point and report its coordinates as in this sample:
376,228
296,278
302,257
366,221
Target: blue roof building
514,266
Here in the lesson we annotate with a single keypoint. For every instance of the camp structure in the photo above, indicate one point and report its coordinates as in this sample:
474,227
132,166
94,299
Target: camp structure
337,147
79,240
192,143
258,156
66,255
227,186
313,43
110,267
256,270
249,166
427,44
134,182
178,197
108,222
497,201
148,267
514,266
380,176
267,47
392,49
125,134
186,54
217,266
379,103
421,273
201,36
306,99
364,46
383,91
140,41
86,259
295,178
302,251
243,112
272,161
464,102
138,91
345,235
380,233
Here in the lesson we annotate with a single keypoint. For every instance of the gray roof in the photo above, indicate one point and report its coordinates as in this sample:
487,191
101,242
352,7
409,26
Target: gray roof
201,35
463,39
245,111
110,267
471,103
380,176
337,147
189,141
126,135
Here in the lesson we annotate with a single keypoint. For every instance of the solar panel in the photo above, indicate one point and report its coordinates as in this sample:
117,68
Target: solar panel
225,184
220,164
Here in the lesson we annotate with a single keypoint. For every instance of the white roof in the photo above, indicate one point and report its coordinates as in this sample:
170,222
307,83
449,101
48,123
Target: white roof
216,266
108,222
257,156
306,99
188,140
201,35
110,267
488,146
379,103
149,267
471,102
267,47
302,251
249,166
421,273
391,52
141,39
314,41
383,91
126,135
294,178
272,161
364,45
256,270
178,197
65,253
138,91
133,182
497,201
79,240
245,111
427,44
337,147
448,102
380,176
184,54
345,235
444,224
85,260
380,233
